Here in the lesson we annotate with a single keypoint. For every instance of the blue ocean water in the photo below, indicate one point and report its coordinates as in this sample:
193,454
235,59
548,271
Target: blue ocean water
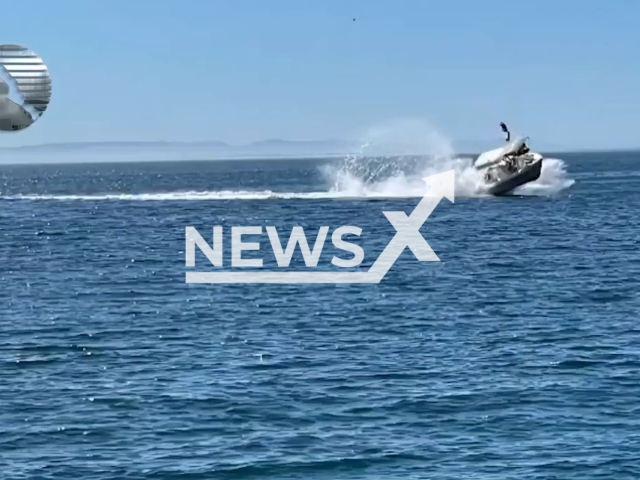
516,356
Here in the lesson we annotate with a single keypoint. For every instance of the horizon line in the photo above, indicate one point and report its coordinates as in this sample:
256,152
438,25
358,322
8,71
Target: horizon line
222,143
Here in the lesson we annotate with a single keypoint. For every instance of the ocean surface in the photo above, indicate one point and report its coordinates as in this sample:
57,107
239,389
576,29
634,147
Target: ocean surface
517,356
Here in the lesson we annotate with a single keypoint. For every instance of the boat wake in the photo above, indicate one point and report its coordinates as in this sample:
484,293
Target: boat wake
348,185
185,196
374,173
377,171
469,182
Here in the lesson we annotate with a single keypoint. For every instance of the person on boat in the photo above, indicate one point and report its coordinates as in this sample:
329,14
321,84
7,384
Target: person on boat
505,130
511,159
523,149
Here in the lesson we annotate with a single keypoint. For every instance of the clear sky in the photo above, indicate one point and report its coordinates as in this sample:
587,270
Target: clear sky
565,72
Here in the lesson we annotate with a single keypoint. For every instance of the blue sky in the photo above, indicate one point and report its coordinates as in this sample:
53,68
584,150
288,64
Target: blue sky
567,73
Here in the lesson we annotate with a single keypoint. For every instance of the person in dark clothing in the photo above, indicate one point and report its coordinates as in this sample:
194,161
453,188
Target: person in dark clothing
505,130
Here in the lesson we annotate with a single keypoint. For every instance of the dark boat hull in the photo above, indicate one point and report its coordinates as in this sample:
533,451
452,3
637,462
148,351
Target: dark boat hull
528,174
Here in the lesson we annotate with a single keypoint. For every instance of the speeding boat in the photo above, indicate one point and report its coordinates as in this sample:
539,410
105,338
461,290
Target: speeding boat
509,167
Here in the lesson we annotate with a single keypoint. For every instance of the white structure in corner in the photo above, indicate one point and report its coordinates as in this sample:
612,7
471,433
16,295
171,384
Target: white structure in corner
12,115
30,74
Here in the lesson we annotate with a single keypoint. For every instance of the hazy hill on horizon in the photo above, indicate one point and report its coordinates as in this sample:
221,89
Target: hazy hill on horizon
133,151
172,150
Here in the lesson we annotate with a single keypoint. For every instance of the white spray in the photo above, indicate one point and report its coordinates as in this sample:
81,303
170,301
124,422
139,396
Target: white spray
395,157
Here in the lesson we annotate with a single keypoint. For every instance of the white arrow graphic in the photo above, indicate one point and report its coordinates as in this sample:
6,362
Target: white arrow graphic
407,235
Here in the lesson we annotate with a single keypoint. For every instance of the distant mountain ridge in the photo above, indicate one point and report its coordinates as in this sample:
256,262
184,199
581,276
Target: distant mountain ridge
186,144
128,151
135,151
268,145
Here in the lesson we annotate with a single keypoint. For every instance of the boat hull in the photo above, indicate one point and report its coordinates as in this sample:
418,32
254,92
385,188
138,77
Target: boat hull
530,173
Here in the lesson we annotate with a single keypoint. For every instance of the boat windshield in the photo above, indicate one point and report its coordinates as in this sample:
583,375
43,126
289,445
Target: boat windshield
515,146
